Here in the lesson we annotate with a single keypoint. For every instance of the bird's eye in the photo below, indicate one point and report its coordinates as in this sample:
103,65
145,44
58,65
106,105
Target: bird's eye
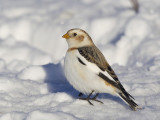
74,34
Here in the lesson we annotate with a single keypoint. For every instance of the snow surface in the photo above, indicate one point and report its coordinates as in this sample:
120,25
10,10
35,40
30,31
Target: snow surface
32,83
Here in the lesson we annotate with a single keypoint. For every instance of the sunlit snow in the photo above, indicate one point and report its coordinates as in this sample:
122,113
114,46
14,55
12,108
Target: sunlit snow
32,50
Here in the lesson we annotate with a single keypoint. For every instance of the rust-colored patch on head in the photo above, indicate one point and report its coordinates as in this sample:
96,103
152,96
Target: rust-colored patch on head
80,38
71,49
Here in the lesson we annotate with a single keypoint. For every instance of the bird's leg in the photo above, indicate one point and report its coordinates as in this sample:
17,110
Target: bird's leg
94,98
88,98
80,94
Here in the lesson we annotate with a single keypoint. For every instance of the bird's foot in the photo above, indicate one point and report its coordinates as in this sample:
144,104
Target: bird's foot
96,100
87,99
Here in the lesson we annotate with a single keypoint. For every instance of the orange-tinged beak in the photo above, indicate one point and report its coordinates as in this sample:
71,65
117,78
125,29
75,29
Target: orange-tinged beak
66,36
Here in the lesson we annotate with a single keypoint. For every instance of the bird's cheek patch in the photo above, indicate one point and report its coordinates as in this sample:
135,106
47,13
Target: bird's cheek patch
81,38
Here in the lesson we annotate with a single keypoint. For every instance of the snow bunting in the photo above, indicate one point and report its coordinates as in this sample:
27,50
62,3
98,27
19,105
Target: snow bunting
87,70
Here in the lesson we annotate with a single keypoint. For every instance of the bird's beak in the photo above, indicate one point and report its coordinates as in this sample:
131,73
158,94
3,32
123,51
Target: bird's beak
66,36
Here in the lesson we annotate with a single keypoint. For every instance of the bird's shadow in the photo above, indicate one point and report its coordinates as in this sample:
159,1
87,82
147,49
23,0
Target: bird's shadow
57,82
113,98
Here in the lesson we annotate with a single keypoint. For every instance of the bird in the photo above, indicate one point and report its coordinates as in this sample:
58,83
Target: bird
87,70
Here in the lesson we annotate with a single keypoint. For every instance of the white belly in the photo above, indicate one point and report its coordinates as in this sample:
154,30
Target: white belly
81,77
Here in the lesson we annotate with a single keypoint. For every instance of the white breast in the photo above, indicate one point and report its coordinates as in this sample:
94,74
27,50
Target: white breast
82,77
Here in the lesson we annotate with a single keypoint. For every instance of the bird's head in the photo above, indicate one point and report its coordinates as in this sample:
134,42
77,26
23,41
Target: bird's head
78,38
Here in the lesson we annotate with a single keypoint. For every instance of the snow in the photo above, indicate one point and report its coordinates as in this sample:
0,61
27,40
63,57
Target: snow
32,50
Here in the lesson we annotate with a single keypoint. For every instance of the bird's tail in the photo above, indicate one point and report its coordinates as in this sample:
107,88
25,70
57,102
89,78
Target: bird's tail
129,100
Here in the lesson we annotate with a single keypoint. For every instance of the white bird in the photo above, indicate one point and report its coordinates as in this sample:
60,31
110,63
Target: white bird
87,70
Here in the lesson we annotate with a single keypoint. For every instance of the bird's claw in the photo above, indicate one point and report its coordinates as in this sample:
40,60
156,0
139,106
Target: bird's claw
88,99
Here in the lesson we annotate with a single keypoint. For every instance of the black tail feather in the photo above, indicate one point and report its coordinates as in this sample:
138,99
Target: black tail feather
125,92
129,101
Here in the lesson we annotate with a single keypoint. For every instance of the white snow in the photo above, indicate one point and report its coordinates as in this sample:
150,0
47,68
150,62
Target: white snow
32,50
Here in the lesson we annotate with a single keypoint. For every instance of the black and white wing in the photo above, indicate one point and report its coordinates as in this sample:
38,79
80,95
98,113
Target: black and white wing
93,54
